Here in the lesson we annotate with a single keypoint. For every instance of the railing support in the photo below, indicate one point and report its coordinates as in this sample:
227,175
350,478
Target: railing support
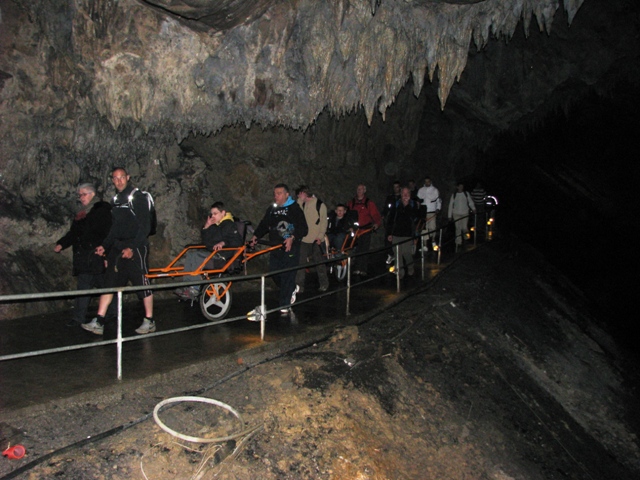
119,338
396,250
263,307
348,284
475,228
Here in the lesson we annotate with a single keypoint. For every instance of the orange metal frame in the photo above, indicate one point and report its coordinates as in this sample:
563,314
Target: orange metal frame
350,240
173,270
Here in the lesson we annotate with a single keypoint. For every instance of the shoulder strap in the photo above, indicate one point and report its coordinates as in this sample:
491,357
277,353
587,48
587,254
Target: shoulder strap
318,204
147,195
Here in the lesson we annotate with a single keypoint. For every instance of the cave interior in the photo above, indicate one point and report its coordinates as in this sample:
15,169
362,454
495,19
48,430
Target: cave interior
220,100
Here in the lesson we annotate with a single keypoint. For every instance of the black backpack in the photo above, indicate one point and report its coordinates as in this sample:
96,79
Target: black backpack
153,218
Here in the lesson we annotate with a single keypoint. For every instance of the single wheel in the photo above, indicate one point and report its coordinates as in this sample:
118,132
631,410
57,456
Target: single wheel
340,270
215,301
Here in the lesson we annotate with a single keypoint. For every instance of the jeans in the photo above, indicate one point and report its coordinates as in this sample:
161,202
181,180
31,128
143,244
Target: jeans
286,282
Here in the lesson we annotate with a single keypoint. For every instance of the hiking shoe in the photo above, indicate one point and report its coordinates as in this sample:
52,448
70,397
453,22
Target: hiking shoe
148,326
293,295
94,327
390,259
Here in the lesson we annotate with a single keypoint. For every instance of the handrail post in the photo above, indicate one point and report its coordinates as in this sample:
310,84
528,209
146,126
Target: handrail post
486,226
422,255
396,249
263,307
440,246
475,228
119,335
348,283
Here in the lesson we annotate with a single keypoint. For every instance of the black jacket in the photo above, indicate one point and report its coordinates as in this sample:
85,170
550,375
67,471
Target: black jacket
86,233
131,220
283,222
402,219
337,225
226,231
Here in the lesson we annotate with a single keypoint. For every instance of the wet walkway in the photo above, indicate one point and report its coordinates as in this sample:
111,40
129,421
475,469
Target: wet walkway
36,380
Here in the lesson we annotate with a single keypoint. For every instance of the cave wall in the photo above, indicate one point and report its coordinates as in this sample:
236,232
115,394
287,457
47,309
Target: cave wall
197,116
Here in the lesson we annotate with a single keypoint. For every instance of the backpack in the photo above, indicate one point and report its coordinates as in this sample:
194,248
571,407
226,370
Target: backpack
245,229
153,219
318,203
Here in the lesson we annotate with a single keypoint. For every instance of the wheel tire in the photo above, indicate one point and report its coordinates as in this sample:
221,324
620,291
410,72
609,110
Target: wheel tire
213,302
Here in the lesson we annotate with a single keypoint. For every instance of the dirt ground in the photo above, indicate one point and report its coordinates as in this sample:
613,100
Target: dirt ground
495,371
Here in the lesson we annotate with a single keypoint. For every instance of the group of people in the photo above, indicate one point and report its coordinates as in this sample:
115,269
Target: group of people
111,247
410,212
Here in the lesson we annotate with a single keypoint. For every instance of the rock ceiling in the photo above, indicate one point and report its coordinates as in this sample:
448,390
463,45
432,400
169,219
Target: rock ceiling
159,62
284,62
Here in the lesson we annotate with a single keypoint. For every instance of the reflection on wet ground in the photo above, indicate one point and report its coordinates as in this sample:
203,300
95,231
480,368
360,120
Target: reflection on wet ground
34,380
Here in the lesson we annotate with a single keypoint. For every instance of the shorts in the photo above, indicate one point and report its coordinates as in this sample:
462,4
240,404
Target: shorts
121,271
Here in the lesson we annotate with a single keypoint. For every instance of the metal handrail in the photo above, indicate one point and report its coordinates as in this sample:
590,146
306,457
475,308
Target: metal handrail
120,340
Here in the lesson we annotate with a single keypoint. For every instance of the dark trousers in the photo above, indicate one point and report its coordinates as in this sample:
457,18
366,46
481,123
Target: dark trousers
286,282
336,240
363,246
311,253
86,281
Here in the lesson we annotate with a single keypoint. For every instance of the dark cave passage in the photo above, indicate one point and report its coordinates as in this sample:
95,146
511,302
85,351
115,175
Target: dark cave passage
570,189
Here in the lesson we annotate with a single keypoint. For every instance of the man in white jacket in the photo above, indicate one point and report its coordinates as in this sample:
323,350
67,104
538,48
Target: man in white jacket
430,198
459,206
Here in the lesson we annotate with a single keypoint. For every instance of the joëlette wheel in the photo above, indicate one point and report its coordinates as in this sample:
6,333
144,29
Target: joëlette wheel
215,301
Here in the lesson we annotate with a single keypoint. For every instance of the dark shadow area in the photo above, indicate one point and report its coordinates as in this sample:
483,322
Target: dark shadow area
570,188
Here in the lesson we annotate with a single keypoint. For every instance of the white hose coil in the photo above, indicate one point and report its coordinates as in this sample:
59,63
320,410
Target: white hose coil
189,438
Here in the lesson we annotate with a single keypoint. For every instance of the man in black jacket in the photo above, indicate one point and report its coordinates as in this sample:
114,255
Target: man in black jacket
127,248
401,228
89,228
285,223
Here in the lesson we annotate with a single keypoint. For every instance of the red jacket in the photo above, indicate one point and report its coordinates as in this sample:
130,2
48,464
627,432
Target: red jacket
367,211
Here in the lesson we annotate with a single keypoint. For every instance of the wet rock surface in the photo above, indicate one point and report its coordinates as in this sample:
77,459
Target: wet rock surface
495,370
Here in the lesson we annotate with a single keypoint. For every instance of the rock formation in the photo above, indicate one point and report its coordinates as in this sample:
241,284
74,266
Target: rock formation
204,100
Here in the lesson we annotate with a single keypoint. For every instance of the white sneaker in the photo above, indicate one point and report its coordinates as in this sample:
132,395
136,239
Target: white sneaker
285,312
256,315
390,259
94,327
293,295
148,326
